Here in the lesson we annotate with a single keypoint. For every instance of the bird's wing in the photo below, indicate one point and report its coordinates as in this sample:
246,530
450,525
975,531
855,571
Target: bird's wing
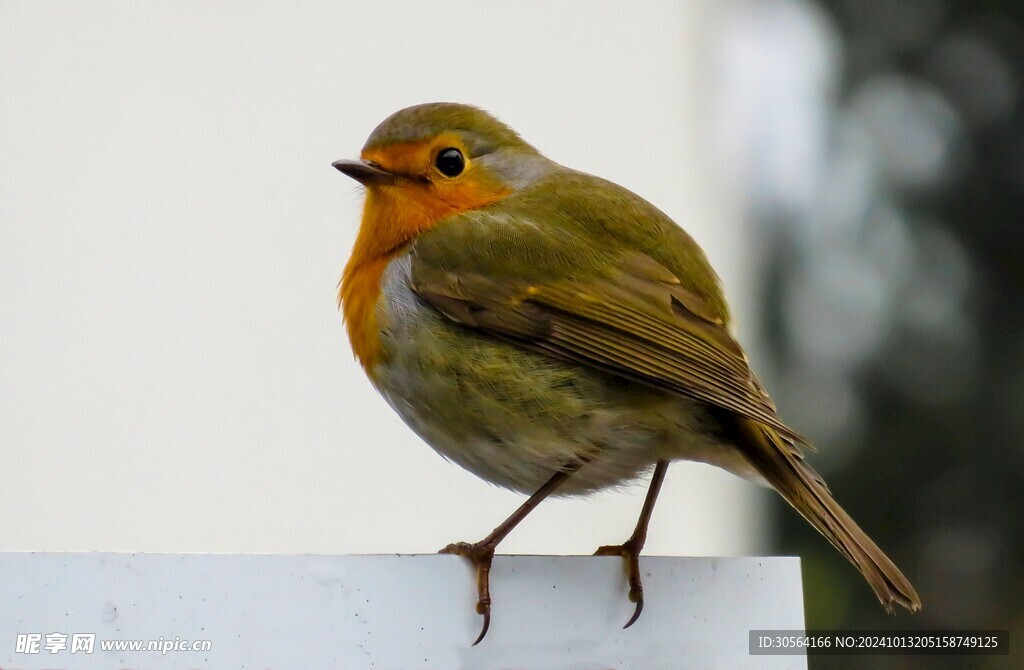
572,295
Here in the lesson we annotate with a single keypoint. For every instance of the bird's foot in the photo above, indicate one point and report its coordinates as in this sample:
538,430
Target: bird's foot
480,555
630,551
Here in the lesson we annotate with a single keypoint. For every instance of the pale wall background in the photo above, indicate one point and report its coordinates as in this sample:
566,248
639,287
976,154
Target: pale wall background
174,375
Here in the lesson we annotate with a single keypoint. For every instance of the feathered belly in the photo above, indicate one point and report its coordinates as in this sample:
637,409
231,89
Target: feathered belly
514,417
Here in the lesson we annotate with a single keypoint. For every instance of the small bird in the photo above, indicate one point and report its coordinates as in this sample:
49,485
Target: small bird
556,334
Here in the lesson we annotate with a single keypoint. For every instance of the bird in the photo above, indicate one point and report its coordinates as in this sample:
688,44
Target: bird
556,334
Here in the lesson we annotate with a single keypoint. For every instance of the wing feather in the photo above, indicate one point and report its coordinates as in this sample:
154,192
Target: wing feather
632,326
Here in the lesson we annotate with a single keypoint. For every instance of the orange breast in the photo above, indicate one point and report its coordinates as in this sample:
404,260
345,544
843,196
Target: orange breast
360,288
392,216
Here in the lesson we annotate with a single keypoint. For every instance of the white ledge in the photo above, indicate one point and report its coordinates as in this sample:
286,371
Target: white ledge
395,612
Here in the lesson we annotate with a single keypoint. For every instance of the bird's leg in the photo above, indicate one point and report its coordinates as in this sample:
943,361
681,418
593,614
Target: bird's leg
630,549
482,553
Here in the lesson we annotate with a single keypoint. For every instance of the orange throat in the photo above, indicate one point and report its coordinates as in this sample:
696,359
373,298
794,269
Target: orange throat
394,215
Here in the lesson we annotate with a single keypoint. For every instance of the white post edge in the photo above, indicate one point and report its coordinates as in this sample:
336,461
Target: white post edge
395,612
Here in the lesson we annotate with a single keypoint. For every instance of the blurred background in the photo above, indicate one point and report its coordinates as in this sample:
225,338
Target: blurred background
881,148
174,375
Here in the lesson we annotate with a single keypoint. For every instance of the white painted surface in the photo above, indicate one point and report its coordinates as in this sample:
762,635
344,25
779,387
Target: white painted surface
174,374
397,612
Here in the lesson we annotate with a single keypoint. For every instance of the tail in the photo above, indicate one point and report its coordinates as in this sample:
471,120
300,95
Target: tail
783,466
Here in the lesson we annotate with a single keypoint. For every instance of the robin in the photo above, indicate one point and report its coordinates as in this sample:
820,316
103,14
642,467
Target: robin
556,334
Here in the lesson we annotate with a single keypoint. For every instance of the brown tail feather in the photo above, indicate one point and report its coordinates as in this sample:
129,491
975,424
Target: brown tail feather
784,468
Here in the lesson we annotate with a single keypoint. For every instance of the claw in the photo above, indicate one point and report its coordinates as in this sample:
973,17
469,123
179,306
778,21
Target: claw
631,553
636,612
480,555
483,630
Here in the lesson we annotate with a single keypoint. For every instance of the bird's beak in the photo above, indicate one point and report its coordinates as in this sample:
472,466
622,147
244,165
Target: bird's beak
365,173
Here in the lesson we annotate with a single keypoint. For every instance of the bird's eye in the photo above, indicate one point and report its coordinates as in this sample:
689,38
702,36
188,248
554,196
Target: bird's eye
450,162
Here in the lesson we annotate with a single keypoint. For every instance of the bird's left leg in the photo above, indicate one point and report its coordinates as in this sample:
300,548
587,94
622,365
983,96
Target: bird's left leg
482,553
630,549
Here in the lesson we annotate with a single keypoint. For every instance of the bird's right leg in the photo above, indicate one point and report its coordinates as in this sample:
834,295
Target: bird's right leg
482,553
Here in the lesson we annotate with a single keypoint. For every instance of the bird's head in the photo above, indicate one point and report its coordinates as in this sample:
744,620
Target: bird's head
428,162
